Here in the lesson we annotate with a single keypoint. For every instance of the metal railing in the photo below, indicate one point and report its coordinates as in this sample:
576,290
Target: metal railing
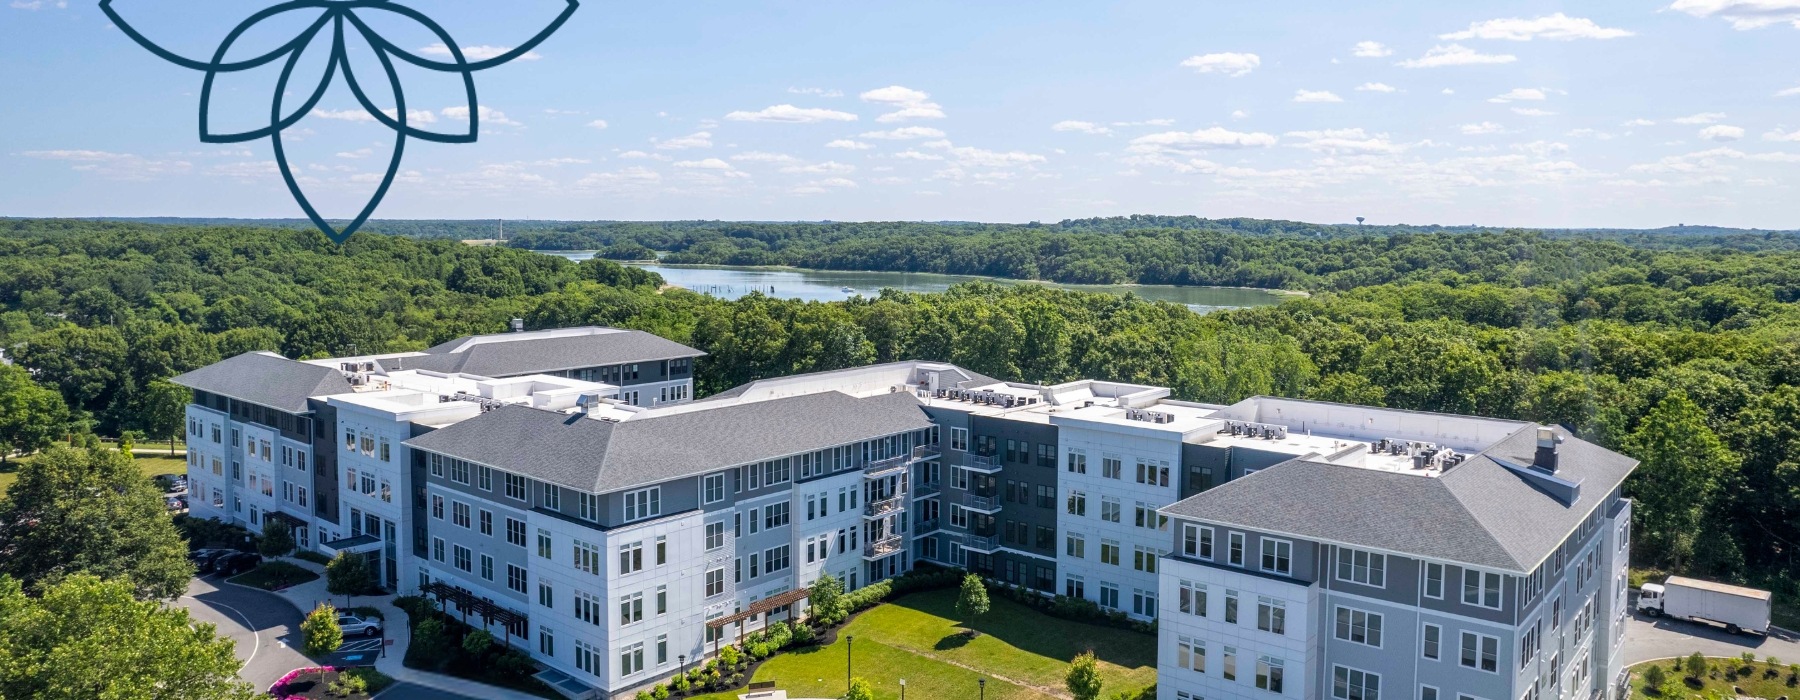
926,452
875,549
927,489
981,543
882,466
875,509
925,526
981,503
981,463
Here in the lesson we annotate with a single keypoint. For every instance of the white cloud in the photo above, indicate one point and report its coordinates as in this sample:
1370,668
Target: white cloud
970,156
1519,94
1448,91
597,123
1455,55
1721,132
910,103
698,139
764,157
1639,122
1744,14
830,166
1532,112
1590,133
1083,127
1701,118
628,178
910,154
1351,141
413,116
1790,92
1481,128
122,166
358,153
1777,135
478,53
1557,26
486,115
789,114
1316,96
1239,114
1202,139
710,170
634,155
1147,122
905,133
850,144
1376,87
819,92
1232,64
1371,49
705,164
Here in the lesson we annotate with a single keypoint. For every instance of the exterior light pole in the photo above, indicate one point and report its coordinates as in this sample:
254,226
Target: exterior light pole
982,683
903,689
683,658
849,660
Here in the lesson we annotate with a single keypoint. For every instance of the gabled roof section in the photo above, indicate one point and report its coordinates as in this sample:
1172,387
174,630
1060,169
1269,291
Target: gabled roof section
267,379
599,456
540,352
1480,512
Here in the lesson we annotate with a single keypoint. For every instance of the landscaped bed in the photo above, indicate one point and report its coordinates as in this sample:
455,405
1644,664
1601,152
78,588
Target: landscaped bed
1021,652
325,682
1695,677
441,643
274,576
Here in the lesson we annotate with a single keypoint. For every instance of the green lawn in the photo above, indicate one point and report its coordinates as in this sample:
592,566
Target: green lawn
1021,653
152,466
1760,680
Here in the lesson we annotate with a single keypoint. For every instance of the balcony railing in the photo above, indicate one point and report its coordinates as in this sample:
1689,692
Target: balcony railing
926,489
882,467
876,549
926,526
981,543
985,504
876,509
926,452
981,463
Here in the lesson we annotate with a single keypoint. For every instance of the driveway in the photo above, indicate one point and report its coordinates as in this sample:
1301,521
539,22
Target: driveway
1662,638
265,627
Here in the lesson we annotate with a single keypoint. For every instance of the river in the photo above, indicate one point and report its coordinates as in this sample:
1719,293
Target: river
731,282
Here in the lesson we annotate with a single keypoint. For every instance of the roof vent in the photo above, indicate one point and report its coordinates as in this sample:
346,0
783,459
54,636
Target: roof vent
1547,442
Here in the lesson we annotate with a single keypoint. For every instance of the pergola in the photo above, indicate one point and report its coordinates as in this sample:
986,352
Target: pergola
486,609
760,607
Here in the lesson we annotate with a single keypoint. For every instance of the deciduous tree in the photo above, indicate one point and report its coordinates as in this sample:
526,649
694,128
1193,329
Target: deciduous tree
90,511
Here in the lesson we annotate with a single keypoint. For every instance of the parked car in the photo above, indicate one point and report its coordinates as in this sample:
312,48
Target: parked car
204,557
1739,609
236,563
353,625
176,503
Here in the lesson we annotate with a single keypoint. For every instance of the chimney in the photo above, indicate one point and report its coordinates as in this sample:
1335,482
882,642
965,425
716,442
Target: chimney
518,325
1547,440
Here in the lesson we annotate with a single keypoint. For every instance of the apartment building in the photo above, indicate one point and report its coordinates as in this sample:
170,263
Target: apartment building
1398,555
616,542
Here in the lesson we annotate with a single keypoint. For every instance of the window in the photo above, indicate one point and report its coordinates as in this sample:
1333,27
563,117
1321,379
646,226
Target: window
1077,503
1481,588
1358,566
1481,651
1190,654
1193,598
546,642
715,582
631,557
1109,596
552,497
515,487
1434,581
1197,541
1277,556
959,439
1075,546
437,548
459,514
1271,615
1110,466
586,556
662,600
544,543
644,503
1231,607
1228,669
1431,641
1528,646
587,658
487,522
715,535
1075,587
515,532
546,595
1109,509
462,556
459,471
1359,626
1427,692
776,515
1109,552
587,608
662,550
487,568
1353,684
1268,674
712,488
631,659
1143,559
631,609
588,506
775,559
1234,552
484,478
1143,602
1077,462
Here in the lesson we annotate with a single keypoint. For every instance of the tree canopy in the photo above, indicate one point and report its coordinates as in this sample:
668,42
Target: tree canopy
76,511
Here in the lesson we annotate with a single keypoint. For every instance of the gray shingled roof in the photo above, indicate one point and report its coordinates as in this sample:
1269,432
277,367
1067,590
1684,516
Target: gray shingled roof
599,456
1479,512
268,379
506,358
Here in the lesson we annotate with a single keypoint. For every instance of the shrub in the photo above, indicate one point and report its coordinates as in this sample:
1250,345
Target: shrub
730,656
659,693
477,642
348,574
277,538
859,690
1695,666
972,600
803,635
348,684
679,684
1654,679
417,607
827,600
321,631
430,637
1083,677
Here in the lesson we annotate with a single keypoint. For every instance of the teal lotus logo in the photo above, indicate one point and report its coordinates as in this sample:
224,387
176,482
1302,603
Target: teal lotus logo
328,25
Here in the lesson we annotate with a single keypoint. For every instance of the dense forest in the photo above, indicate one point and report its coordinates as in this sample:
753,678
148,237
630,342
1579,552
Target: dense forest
1688,359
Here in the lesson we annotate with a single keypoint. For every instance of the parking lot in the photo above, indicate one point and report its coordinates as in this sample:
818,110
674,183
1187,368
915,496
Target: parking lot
265,627
1661,638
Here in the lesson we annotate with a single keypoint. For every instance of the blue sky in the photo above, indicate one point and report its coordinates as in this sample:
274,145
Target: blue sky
1633,114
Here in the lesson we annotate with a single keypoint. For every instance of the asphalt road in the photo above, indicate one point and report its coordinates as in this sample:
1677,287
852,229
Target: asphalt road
265,627
1647,639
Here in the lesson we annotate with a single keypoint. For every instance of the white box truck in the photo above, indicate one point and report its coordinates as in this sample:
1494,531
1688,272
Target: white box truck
1739,609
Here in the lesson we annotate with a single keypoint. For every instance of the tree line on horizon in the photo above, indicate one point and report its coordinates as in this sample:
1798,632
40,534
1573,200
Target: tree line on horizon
1687,359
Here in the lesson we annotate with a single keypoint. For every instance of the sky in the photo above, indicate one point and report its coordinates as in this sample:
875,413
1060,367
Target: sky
1544,114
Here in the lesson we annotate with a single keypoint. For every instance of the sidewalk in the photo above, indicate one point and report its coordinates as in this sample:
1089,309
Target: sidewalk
307,596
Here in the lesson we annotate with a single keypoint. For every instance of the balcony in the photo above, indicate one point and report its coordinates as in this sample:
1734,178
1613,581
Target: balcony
926,527
981,504
925,452
885,467
876,549
928,489
883,508
982,463
979,543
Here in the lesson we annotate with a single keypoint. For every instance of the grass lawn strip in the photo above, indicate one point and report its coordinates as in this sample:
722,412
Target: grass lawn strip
1021,652
152,466
1757,684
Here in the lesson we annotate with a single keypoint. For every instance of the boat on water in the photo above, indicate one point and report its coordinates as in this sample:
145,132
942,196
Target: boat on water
848,290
